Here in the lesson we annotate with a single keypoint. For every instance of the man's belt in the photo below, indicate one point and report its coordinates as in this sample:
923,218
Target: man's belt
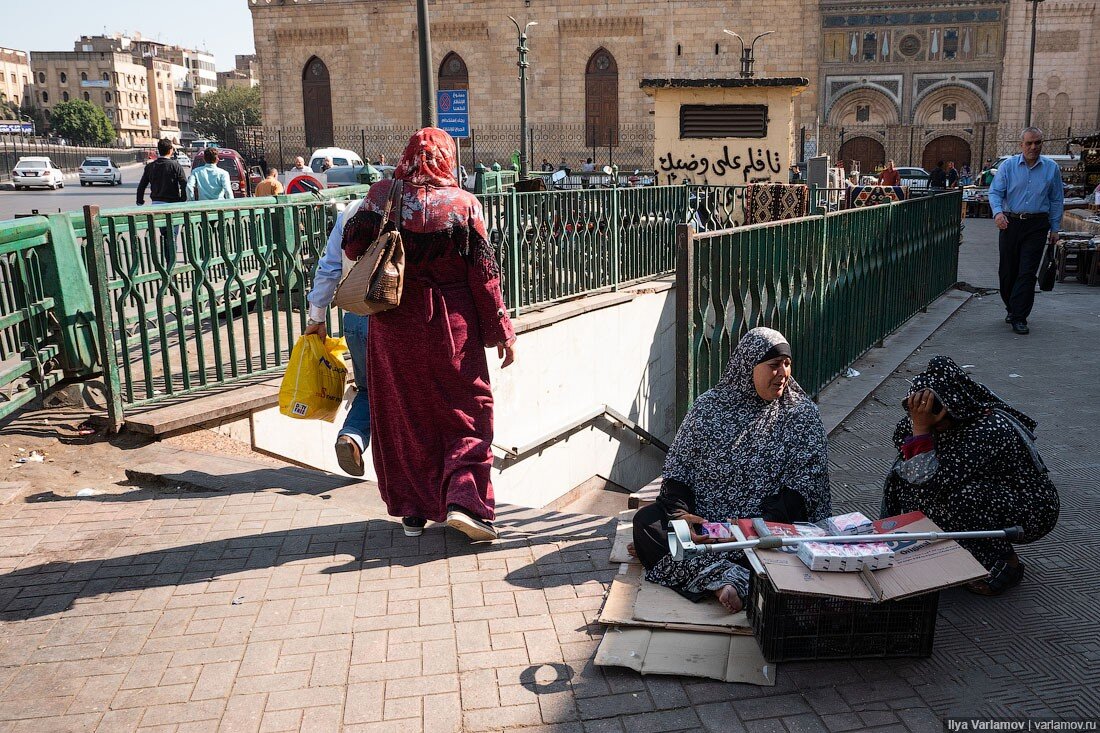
1025,215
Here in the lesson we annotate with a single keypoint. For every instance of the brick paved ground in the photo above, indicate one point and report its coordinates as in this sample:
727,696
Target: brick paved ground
263,610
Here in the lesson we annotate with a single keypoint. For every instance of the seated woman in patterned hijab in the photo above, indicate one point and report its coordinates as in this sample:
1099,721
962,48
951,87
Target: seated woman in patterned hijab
752,446
967,459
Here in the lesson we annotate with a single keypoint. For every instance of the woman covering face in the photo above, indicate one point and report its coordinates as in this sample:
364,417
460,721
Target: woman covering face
967,459
752,446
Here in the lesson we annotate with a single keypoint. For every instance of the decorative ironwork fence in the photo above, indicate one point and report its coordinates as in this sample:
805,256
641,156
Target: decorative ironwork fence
835,285
487,144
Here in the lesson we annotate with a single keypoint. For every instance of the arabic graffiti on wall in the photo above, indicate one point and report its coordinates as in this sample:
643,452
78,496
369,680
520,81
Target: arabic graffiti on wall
757,164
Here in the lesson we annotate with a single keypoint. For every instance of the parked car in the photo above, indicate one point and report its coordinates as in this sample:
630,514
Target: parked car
99,170
36,171
348,175
182,158
914,178
340,157
230,160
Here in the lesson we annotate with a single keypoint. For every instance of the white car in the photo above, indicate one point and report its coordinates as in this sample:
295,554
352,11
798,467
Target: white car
99,170
339,156
29,172
182,158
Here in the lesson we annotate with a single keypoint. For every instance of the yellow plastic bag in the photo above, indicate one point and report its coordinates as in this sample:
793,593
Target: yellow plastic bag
313,386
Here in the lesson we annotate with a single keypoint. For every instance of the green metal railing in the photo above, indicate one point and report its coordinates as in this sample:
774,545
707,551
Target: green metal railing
835,285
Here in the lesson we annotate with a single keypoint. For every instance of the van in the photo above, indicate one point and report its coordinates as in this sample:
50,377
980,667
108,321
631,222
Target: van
340,157
1065,162
230,161
203,143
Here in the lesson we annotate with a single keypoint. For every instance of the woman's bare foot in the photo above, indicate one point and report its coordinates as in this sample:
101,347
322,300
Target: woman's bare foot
631,551
727,596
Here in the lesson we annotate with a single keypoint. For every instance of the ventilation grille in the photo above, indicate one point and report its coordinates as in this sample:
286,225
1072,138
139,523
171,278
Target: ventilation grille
723,120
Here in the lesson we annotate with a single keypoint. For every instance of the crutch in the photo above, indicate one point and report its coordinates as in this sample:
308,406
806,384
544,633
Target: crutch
681,544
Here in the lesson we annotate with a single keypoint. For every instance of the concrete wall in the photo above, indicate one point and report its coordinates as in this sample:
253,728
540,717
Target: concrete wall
569,362
723,161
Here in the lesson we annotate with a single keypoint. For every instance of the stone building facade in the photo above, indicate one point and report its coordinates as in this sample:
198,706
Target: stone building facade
15,77
356,60
111,80
1067,68
912,80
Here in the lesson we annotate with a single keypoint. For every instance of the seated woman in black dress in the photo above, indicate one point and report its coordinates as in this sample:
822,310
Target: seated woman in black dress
967,460
752,446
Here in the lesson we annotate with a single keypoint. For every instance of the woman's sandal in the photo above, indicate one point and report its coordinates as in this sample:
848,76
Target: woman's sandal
1002,576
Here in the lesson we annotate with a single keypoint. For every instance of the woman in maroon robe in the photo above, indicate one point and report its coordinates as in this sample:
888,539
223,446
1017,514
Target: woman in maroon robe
427,374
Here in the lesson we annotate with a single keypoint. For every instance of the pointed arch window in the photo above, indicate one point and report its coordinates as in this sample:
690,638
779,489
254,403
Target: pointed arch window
453,73
317,104
601,100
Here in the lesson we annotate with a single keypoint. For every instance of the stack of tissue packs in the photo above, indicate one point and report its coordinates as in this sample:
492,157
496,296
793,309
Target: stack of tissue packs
853,557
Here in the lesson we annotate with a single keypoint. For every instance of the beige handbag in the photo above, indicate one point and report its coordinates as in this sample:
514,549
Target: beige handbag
375,281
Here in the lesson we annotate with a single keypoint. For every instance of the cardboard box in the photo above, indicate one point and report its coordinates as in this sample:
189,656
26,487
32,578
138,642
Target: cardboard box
655,651
845,558
920,566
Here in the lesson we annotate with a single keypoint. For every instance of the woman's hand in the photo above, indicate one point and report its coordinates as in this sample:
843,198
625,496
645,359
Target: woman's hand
920,405
506,350
689,518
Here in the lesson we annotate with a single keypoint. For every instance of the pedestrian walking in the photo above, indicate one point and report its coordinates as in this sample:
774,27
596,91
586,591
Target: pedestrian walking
167,184
209,182
937,178
952,175
270,186
889,175
1027,203
430,398
354,435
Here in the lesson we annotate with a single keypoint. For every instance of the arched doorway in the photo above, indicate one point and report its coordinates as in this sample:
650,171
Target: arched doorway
601,100
317,104
453,73
867,150
945,148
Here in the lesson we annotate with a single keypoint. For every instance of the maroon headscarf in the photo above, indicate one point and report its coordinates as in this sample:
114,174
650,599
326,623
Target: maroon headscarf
429,159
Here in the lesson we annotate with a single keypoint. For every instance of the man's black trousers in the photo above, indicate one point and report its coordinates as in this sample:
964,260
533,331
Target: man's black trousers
1021,248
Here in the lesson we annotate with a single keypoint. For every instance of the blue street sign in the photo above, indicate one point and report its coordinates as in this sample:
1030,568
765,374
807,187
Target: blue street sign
453,110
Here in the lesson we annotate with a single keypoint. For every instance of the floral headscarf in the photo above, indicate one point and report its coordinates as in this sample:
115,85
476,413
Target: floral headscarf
429,159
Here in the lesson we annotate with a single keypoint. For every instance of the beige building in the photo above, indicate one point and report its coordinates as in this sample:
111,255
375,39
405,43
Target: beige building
246,73
1067,67
354,62
162,98
913,80
109,79
202,73
15,77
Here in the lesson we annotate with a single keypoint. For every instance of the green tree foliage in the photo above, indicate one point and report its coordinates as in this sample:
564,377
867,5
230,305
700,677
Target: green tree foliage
82,123
215,112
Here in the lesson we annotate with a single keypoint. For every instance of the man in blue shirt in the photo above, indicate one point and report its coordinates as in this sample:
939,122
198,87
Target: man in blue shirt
354,435
1026,199
209,182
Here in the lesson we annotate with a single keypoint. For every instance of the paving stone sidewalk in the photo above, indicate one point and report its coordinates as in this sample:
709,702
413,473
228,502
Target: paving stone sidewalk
261,610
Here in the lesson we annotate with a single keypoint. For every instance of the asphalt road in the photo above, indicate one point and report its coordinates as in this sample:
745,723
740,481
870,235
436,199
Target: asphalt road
71,198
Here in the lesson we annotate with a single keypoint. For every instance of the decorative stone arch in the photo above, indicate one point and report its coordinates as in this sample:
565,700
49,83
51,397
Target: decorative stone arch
601,100
970,100
868,151
453,73
317,104
884,109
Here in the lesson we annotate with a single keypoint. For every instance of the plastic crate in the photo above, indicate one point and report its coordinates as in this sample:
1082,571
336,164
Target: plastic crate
790,627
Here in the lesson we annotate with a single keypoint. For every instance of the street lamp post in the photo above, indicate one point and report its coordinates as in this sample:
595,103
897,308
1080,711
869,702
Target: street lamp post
427,79
1031,62
522,64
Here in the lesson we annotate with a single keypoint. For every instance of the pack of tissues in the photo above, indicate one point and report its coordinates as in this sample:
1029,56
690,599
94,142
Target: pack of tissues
845,558
853,523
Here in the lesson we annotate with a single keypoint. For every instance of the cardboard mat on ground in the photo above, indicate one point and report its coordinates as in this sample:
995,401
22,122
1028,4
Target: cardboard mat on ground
624,535
632,601
691,653
921,566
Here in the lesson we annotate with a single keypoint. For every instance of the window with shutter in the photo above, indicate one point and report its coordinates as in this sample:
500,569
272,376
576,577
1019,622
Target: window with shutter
723,120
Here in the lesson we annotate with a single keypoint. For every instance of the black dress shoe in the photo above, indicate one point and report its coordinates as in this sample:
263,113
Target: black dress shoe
1020,328
1008,320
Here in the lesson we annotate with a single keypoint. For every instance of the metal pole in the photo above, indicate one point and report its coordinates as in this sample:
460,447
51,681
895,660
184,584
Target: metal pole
522,64
1031,63
427,78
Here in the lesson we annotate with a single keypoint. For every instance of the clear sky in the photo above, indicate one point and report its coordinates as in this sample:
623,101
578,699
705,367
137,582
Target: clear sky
222,26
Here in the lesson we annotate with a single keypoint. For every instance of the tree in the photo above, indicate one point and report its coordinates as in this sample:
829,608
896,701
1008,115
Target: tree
225,108
82,123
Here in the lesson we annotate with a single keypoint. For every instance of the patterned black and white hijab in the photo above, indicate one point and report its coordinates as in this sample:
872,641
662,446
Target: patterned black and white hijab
735,449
